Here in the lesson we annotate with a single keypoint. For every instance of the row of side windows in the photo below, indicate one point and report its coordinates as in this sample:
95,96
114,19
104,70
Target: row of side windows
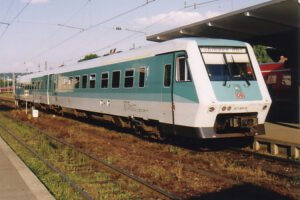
182,75
115,82
36,85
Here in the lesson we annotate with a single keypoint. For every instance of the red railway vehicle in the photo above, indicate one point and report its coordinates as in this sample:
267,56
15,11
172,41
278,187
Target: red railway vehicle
278,79
6,90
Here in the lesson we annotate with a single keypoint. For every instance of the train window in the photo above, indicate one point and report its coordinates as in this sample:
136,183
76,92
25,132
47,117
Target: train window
129,78
271,79
182,71
84,81
77,81
227,64
286,80
66,81
39,85
116,79
142,72
167,76
54,84
70,82
104,80
92,80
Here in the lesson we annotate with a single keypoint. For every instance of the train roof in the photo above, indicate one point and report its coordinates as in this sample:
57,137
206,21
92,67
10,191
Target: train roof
139,53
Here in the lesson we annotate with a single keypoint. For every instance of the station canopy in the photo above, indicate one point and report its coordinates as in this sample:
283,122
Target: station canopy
274,23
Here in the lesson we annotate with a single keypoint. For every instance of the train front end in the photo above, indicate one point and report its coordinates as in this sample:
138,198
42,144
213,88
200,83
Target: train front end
233,98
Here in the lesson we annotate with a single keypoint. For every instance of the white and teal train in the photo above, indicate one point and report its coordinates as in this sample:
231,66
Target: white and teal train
196,87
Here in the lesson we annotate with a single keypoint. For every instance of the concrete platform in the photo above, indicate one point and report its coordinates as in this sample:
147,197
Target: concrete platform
17,182
283,133
280,136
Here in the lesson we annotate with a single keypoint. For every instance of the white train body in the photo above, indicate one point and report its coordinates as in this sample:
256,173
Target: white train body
196,87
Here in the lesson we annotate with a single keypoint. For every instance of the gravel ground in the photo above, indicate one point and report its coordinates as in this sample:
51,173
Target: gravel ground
183,167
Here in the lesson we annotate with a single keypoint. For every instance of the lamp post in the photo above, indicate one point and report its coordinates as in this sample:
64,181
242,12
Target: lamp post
118,28
4,23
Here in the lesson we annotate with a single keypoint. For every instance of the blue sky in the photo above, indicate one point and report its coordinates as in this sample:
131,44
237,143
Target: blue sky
35,37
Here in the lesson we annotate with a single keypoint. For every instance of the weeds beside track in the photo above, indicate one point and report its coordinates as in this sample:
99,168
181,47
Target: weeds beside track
121,186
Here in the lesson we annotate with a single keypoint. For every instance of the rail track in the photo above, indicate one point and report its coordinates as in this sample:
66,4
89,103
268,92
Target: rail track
156,193
248,158
8,101
237,156
267,160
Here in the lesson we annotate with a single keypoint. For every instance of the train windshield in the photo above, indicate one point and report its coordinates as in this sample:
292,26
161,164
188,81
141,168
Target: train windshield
227,64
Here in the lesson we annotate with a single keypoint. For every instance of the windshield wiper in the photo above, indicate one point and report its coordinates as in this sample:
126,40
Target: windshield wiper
242,73
246,79
227,68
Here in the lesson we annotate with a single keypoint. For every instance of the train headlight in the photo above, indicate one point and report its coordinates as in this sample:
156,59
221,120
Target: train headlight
265,107
211,109
223,108
229,108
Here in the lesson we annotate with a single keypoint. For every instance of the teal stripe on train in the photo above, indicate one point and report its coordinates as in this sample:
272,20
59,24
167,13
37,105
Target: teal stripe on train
218,42
153,91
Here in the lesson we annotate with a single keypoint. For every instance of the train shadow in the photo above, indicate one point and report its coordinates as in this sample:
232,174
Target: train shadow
282,112
245,191
210,145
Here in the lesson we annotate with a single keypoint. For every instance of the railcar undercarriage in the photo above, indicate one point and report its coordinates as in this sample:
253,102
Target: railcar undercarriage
245,123
226,125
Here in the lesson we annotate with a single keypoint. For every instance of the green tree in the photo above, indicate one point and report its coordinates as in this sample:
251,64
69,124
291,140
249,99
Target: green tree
1,82
261,54
88,57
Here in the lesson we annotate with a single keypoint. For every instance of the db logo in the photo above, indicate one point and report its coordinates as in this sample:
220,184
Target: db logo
239,95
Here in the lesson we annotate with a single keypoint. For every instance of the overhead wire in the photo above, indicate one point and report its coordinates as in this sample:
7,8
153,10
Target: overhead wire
14,18
200,4
119,15
55,32
33,22
121,40
9,7
94,26
142,30
147,27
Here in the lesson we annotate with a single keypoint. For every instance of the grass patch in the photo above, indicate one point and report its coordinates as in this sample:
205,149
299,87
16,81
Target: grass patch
57,186
99,182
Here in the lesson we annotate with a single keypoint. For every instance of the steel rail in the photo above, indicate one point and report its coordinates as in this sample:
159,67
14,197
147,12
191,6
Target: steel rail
271,157
231,181
135,178
268,158
84,194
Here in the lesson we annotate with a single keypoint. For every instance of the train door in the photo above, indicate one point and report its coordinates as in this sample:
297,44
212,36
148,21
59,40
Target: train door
51,89
167,89
183,91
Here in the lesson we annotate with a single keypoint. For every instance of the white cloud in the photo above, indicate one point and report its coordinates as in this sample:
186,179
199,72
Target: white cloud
36,1
175,18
